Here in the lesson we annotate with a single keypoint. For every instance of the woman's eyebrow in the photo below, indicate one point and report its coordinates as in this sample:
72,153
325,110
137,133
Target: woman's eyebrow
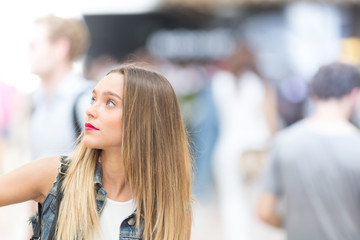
106,93
111,94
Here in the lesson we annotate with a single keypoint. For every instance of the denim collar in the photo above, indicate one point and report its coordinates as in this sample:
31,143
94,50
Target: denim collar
100,194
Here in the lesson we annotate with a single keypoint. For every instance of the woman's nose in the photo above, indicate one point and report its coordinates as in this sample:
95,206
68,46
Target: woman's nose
91,111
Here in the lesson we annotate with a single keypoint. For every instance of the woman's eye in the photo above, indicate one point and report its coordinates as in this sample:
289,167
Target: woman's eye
92,100
110,103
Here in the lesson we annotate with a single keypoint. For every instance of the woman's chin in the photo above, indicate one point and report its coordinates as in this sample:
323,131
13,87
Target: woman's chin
90,144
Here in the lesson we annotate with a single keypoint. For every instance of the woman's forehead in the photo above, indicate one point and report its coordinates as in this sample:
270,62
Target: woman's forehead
112,82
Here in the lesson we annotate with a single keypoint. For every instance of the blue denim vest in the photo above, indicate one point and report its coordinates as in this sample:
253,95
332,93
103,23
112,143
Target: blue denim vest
128,228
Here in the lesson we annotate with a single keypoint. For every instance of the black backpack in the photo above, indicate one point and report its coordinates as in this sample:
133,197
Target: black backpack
76,122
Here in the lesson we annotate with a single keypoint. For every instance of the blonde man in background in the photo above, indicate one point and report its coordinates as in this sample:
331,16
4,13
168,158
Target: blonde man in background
58,108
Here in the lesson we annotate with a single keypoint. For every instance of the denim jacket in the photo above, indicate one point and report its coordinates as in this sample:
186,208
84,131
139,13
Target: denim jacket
128,228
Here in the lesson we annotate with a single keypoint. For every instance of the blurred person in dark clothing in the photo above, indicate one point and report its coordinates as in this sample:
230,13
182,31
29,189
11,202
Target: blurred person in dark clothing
292,94
58,106
312,181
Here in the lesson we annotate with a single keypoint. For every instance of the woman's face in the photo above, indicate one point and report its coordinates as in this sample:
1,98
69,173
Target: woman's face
103,124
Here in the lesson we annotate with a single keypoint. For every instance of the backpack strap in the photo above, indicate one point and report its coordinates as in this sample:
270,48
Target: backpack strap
37,232
64,164
76,121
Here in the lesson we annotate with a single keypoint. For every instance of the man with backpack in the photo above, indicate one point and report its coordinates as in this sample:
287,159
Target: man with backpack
58,108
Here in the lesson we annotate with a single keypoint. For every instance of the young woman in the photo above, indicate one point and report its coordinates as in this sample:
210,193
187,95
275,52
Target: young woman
129,177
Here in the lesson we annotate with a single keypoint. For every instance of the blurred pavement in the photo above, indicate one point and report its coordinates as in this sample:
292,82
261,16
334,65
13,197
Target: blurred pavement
207,223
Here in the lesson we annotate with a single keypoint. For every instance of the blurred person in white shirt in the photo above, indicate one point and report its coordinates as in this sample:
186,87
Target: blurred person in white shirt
247,117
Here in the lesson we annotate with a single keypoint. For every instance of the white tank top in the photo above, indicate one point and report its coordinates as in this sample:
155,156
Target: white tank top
111,217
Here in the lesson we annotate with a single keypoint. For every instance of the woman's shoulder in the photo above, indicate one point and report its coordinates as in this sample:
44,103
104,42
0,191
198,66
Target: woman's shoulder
47,170
47,166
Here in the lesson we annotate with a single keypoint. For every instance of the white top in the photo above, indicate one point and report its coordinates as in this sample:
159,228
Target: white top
52,128
239,103
111,217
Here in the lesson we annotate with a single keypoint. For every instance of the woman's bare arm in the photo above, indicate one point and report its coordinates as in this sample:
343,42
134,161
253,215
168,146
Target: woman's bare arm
32,181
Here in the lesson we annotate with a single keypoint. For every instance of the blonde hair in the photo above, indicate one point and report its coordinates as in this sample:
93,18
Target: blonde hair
75,30
156,160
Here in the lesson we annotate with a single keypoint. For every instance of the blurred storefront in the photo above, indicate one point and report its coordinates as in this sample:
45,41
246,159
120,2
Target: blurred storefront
291,39
298,36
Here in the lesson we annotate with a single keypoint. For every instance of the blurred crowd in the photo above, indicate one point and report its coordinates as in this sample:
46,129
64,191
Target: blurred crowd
246,105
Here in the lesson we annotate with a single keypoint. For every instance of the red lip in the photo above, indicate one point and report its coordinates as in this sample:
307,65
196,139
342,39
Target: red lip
89,127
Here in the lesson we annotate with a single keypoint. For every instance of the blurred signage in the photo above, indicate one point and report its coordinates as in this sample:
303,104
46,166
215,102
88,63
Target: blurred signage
184,44
351,50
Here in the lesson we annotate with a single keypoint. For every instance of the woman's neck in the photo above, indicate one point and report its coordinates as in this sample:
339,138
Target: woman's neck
113,176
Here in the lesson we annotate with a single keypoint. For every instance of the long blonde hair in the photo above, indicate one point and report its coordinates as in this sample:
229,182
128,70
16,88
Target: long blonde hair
156,160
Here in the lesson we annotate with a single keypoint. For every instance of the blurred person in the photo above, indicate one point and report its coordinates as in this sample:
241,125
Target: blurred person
312,180
9,98
205,133
8,101
292,94
134,154
58,107
246,111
